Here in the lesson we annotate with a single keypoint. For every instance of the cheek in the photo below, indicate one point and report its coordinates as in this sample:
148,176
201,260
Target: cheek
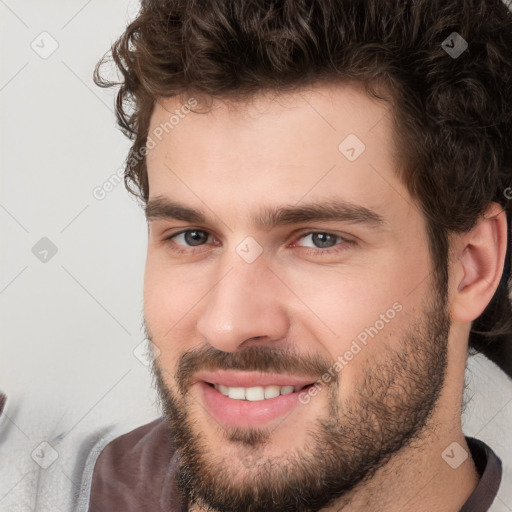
346,301
172,295
169,291
357,315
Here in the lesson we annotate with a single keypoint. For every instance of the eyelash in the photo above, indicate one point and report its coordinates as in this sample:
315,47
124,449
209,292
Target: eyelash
309,250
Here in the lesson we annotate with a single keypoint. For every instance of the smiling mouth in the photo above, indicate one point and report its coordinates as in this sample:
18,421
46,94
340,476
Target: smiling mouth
257,393
250,399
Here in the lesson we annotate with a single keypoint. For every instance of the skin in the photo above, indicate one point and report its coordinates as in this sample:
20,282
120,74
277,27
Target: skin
238,158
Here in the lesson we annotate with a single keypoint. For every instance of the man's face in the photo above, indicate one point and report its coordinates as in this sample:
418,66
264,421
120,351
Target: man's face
326,334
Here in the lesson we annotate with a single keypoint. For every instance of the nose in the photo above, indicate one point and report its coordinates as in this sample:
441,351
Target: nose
245,307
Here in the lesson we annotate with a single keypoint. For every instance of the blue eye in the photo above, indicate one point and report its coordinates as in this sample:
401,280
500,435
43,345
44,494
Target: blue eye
189,238
323,242
193,237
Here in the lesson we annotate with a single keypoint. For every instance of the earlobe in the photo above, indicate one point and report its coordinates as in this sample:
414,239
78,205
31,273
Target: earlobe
479,265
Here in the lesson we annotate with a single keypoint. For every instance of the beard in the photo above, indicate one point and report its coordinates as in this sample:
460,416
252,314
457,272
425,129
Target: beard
388,410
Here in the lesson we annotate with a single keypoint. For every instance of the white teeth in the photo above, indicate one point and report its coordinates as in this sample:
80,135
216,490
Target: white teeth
257,393
223,389
272,391
236,393
286,390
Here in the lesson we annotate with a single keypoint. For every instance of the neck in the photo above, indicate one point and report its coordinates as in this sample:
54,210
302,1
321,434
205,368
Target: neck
418,478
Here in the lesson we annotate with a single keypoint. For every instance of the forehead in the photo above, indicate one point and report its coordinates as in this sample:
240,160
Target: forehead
331,140
336,108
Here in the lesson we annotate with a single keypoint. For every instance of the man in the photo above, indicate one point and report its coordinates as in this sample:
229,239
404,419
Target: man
325,189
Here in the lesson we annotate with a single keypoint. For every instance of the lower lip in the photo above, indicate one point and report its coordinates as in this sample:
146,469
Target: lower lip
245,413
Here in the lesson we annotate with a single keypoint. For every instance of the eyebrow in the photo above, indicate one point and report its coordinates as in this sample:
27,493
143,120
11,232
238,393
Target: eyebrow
339,210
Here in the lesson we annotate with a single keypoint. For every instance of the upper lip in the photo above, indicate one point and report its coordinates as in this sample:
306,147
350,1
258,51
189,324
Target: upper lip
242,379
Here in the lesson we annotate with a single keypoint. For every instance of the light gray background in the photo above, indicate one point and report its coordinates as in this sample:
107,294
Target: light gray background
71,325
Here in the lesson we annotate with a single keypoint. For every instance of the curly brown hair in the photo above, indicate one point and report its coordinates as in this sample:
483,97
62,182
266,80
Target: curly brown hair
452,115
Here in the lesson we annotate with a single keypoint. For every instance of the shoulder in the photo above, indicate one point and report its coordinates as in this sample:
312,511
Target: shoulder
487,418
489,467
131,471
148,446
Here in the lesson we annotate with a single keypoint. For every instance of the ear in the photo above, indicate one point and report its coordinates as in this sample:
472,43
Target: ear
478,265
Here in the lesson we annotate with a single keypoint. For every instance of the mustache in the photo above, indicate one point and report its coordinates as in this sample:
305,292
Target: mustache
265,359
